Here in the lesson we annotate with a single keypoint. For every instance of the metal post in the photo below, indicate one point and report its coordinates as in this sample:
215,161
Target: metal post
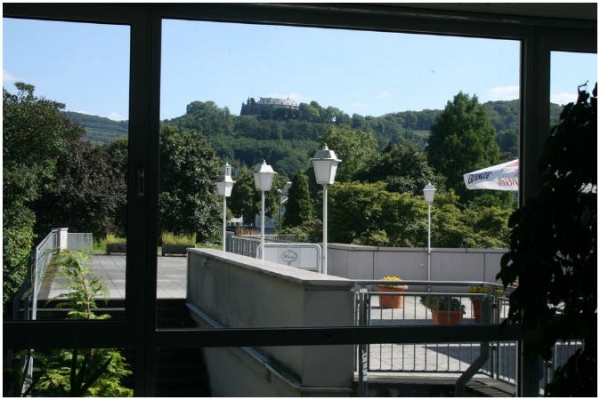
262,226
224,222
363,354
428,245
324,267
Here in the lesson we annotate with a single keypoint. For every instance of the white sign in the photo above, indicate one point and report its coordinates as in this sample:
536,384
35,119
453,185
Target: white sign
299,255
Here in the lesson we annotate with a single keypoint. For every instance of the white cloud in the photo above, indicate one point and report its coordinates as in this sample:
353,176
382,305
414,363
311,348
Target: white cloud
116,117
383,94
8,77
359,104
563,98
503,93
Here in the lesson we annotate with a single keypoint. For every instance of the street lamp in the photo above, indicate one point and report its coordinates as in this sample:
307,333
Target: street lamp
224,186
325,165
429,193
263,180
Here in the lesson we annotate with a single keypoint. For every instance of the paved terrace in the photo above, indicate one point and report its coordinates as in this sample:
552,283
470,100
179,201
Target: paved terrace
172,277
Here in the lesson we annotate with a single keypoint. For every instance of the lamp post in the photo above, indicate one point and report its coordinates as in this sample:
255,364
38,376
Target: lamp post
429,193
224,186
325,165
263,180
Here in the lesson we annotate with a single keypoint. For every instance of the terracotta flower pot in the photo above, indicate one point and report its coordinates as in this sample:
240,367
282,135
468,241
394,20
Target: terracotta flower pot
391,301
446,317
477,305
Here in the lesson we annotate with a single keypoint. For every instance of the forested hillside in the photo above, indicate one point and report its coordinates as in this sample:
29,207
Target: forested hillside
99,129
288,138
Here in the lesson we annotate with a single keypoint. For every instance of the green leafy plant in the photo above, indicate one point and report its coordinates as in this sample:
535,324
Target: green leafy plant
553,252
442,303
485,289
80,372
83,288
392,278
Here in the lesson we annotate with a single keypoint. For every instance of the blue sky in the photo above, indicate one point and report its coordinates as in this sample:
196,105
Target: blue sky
86,67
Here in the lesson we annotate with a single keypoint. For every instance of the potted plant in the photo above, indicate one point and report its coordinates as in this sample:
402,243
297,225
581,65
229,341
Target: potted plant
391,301
477,300
115,244
445,310
177,244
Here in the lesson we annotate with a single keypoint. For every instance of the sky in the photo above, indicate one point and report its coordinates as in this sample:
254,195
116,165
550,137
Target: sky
86,67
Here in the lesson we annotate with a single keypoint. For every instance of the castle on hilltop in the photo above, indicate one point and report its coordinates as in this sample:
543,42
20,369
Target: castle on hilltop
253,107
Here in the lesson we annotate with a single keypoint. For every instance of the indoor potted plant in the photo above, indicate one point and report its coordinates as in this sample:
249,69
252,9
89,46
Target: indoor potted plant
477,300
391,301
445,310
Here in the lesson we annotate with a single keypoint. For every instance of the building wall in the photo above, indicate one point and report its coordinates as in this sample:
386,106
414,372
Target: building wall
370,262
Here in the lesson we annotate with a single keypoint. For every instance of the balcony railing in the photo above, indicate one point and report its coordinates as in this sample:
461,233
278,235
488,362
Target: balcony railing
497,359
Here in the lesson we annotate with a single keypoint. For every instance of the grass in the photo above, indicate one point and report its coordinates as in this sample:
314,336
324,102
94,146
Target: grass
170,238
110,238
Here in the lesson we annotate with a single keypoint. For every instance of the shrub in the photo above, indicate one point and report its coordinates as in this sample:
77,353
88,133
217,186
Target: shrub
442,303
170,238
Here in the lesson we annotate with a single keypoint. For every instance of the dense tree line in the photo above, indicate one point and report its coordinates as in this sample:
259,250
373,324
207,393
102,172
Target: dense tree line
287,138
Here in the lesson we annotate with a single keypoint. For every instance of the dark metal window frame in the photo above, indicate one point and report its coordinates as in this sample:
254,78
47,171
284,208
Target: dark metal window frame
538,37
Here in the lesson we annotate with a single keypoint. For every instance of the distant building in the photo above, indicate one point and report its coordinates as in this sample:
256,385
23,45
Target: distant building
253,107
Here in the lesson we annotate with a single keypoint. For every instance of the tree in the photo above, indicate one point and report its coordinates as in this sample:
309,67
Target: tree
403,168
188,201
462,140
299,207
368,214
88,193
35,133
243,202
553,251
354,147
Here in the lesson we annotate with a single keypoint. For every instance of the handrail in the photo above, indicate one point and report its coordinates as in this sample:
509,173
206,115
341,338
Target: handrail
425,283
484,354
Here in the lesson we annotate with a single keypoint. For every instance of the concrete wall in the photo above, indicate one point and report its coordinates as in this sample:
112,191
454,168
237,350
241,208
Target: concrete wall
234,291
370,262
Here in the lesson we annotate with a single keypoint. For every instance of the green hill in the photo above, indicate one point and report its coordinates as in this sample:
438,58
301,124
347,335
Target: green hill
99,129
288,139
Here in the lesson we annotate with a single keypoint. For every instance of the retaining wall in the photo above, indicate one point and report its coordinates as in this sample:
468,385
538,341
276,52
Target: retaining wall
229,290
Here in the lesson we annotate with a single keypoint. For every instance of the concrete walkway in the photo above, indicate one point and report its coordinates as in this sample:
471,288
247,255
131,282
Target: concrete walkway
172,277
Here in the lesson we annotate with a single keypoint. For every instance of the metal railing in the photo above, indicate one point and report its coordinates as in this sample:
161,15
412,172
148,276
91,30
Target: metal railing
495,359
247,245
43,254
80,241
42,257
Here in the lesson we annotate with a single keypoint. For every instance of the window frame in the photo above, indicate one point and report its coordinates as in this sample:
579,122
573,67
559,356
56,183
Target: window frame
138,330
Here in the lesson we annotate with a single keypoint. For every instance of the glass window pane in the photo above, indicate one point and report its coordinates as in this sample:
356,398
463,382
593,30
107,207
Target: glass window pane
238,95
66,105
569,72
